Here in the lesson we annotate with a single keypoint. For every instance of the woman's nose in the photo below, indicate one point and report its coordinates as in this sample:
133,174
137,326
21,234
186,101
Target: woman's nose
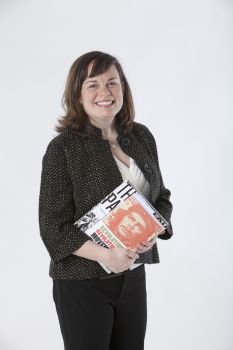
104,90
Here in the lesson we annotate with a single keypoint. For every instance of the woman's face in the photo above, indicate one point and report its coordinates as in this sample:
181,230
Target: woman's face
105,88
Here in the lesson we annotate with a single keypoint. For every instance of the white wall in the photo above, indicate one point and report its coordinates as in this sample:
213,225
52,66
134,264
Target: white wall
177,56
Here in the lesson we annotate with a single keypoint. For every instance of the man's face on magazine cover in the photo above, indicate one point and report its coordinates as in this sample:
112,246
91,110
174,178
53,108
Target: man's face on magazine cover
132,223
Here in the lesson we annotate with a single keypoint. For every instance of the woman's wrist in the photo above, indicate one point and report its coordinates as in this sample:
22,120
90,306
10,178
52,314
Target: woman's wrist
104,255
93,251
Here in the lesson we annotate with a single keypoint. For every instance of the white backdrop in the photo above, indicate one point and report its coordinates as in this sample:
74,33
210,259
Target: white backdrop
177,56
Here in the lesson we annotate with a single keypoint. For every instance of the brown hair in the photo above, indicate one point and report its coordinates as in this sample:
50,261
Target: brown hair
75,116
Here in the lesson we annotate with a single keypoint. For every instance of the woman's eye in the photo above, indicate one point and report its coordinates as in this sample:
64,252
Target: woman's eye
94,85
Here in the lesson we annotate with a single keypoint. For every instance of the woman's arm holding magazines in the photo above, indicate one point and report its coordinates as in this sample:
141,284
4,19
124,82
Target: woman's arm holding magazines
163,203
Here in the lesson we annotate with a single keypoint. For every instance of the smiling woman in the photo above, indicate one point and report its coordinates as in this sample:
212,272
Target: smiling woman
97,310
95,79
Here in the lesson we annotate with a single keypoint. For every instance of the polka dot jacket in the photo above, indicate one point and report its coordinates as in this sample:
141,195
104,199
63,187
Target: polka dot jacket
78,171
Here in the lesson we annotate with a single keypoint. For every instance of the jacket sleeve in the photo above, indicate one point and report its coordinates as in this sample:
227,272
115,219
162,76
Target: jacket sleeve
56,206
162,204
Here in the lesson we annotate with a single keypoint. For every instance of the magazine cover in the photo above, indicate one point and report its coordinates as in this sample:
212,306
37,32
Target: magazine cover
124,218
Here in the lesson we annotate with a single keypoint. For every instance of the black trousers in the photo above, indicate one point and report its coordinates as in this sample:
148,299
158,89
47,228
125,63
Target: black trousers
106,314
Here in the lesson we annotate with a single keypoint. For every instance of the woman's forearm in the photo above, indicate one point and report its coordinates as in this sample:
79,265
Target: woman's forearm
92,251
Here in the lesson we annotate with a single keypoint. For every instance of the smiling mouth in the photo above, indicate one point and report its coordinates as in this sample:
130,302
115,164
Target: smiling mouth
105,104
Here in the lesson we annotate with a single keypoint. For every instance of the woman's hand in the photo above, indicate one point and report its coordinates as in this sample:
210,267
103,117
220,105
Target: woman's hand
119,259
146,245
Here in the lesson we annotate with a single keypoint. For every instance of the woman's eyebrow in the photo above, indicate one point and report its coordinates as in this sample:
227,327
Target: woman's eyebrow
95,81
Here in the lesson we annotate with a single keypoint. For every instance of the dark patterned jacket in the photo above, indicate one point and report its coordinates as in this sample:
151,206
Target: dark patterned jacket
78,171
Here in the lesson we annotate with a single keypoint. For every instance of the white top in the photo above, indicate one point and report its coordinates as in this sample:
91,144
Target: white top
136,177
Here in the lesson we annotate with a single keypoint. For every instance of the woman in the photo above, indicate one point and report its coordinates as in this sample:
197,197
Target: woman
97,147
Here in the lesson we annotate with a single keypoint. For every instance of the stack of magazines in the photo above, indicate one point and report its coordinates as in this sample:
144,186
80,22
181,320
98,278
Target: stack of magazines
122,219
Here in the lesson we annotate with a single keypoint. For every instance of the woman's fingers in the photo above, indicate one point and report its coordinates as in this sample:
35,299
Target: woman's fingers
141,248
145,246
132,254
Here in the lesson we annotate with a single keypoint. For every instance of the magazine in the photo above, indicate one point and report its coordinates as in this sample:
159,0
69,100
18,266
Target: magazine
123,218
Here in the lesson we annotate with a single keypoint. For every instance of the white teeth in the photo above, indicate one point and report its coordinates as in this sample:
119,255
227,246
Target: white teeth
103,103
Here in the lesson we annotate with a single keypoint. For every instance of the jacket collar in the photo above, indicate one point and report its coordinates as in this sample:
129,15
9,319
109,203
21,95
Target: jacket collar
93,131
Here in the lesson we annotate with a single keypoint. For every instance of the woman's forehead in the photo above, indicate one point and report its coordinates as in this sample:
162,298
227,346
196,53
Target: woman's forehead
109,73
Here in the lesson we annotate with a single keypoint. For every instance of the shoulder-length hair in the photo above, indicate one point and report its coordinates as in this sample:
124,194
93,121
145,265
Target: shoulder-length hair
75,116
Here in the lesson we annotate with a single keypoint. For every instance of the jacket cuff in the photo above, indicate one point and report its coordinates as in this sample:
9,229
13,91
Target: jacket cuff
168,233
